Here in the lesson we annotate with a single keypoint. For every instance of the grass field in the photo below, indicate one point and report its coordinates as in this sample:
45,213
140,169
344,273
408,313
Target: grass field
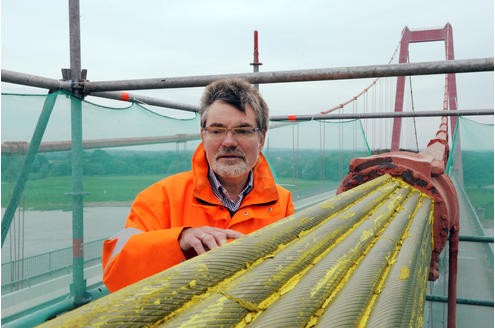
482,198
52,193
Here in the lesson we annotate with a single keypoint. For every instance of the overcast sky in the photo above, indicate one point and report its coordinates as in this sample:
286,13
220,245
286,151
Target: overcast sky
143,39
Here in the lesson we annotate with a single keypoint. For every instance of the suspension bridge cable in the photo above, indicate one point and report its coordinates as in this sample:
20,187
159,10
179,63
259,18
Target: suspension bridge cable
412,109
365,90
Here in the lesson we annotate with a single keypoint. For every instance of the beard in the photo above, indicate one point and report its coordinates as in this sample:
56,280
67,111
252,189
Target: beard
230,170
231,167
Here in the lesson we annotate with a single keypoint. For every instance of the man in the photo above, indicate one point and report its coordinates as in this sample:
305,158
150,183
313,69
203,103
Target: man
229,192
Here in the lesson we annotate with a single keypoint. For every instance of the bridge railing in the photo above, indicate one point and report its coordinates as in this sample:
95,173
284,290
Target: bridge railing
26,272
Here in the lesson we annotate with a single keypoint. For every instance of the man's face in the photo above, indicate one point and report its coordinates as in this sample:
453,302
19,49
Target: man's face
231,156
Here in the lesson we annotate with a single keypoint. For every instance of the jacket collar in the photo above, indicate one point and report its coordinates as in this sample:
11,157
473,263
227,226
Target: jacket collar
264,191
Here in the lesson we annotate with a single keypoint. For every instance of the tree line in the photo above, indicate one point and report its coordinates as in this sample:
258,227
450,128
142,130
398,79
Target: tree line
302,164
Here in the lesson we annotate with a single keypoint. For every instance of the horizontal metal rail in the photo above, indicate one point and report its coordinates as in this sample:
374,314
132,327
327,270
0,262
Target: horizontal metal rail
44,266
35,80
104,89
340,73
130,97
381,115
20,147
476,239
460,300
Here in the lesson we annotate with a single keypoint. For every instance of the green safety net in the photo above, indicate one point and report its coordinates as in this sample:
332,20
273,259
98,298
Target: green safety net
125,150
470,168
301,154
471,165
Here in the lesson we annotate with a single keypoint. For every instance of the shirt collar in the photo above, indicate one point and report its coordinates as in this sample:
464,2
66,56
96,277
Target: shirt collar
221,193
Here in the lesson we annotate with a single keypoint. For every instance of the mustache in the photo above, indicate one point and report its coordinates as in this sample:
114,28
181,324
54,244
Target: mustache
230,151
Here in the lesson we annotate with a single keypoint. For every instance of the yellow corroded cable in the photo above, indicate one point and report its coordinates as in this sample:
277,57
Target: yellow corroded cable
350,304
296,308
249,291
400,302
343,262
153,299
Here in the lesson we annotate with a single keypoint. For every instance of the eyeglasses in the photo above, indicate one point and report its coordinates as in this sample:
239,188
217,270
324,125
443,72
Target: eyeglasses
240,132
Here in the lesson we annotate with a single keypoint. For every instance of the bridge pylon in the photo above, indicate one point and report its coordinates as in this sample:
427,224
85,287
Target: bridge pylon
450,102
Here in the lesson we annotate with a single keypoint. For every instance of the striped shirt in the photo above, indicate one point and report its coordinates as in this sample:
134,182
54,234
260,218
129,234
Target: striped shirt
222,194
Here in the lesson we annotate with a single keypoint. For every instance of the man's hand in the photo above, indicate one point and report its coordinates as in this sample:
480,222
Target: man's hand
202,239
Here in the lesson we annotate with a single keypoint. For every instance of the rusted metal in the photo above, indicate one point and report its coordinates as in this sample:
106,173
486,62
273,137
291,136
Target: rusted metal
256,58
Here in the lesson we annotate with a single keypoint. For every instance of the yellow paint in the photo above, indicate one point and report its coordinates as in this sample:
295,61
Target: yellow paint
391,259
312,322
322,282
346,215
202,267
362,252
404,273
367,234
248,318
192,283
245,304
432,216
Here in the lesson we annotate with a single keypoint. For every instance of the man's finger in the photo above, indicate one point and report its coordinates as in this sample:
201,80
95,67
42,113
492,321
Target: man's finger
197,244
223,235
232,234
209,241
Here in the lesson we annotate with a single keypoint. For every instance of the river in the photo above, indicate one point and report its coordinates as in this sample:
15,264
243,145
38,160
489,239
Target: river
44,231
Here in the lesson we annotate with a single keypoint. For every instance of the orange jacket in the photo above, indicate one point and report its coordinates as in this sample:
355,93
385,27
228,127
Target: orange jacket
149,244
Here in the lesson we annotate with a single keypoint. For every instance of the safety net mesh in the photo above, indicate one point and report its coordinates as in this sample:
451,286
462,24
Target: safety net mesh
471,168
475,145
125,150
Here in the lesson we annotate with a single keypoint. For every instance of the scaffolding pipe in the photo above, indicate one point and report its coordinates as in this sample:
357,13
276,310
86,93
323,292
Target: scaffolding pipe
256,59
78,286
311,117
20,147
34,80
460,300
340,73
126,96
476,239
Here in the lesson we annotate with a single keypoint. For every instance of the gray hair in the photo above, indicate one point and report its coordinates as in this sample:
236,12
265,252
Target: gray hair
238,93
